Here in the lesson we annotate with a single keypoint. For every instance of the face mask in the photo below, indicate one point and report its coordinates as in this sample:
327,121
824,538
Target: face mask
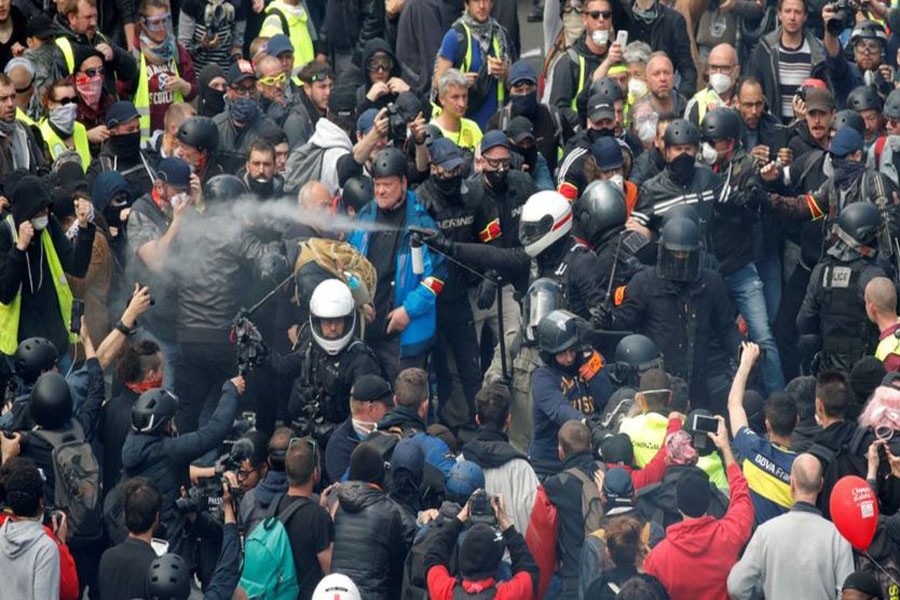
618,181
720,82
708,154
647,16
40,223
525,106
448,188
63,118
178,199
596,134
124,145
261,187
646,131
242,110
637,88
496,179
213,102
89,89
682,169
600,38
529,157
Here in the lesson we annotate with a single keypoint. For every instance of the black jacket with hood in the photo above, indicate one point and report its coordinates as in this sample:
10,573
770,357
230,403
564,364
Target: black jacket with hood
362,103
370,541
28,272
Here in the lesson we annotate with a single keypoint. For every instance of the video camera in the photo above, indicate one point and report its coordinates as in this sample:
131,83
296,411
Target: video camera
396,125
844,16
312,423
251,350
206,496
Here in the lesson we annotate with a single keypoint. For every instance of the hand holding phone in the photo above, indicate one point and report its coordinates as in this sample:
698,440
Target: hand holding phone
77,313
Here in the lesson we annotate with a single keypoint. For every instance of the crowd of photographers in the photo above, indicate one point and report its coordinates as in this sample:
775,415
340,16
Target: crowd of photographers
348,301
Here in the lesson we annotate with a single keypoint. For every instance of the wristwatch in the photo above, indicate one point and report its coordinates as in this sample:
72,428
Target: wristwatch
125,329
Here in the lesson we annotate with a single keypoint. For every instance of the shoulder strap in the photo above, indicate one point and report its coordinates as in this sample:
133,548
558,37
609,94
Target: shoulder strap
285,516
58,438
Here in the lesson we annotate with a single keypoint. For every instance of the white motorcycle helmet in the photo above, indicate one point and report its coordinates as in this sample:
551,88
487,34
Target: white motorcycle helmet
331,300
336,587
546,218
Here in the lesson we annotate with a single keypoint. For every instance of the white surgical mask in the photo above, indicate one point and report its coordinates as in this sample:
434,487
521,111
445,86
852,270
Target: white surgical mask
618,181
40,223
720,82
708,154
600,37
178,199
646,131
637,88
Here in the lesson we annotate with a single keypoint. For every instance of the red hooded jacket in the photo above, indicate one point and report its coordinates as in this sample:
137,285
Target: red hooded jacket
694,559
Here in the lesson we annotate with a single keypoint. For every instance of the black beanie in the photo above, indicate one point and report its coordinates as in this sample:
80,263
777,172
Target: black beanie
481,551
692,492
865,376
865,583
366,464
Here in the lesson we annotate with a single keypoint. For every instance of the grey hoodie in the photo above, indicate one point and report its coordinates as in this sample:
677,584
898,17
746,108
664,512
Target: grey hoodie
29,561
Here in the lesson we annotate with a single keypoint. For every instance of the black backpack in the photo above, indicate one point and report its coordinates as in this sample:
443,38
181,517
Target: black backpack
414,586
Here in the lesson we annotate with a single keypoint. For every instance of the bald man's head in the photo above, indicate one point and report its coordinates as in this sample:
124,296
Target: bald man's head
881,295
723,54
314,196
806,477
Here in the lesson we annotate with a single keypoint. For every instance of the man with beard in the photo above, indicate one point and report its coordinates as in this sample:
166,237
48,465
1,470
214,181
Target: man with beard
243,121
760,129
664,97
122,150
868,41
259,176
812,131
549,128
18,147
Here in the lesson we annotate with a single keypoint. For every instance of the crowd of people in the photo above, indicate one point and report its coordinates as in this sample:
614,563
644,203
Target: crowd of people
347,300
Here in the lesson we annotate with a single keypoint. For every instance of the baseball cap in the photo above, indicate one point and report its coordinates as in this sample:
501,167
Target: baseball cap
372,388
175,172
846,141
446,154
521,71
618,487
239,71
492,139
607,153
819,99
279,44
519,130
40,27
120,112
599,107
366,120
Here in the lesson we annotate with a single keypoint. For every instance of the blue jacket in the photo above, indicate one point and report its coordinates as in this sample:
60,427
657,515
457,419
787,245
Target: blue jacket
416,293
557,398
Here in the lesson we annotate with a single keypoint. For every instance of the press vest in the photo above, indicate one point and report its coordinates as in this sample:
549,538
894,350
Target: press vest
57,145
142,97
10,313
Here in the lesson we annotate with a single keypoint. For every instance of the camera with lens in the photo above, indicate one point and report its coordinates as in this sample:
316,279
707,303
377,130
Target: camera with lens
480,509
251,350
206,496
199,498
215,19
312,423
844,16
396,125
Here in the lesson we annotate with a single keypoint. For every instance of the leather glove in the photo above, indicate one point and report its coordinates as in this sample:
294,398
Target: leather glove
601,317
436,239
487,291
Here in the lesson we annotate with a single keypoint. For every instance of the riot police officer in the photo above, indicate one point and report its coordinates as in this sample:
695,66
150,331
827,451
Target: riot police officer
834,307
685,309
33,357
635,355
326,360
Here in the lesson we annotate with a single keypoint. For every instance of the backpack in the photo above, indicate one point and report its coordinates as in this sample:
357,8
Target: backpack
415,586
851,460
303,165
591,507
333,259
76,477
269,572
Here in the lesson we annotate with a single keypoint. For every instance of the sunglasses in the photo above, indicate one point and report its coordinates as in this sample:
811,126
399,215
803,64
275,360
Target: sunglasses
380,65
498,163
273,80
93,72
313,446
66,101
596,14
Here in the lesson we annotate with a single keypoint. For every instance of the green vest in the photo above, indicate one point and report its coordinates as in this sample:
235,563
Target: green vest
467,60
297,30
142,97
57,145
9,313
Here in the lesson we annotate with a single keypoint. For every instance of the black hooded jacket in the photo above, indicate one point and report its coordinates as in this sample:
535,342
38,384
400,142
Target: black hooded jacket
28,272
363,103
490,449
350,24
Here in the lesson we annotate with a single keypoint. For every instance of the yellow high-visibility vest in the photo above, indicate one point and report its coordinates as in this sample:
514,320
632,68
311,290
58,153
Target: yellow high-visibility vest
142,97
57,145
21,115
65,46
280,13
10,313
467,60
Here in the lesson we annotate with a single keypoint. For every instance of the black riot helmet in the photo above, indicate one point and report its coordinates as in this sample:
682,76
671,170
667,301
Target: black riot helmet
169,578
50,404
720,124
600,212
390,162
860,222
34,356
680,253
544,296
608,88
357,192
681,211
200,133
892,105
223,188
152,411
635,354
863,97
560,331
848,118
681,131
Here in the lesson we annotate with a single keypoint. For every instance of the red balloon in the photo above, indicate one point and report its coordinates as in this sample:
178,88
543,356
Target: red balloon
854,511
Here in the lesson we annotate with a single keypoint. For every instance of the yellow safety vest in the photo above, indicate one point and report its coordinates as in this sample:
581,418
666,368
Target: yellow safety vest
707,99
582,67
57,145
65,46
21,115
468,136
467,60
142,97
887,346
9,313
298,30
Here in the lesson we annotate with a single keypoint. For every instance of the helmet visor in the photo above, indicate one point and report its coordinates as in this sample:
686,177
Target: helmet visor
532,231
541,302
679,265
